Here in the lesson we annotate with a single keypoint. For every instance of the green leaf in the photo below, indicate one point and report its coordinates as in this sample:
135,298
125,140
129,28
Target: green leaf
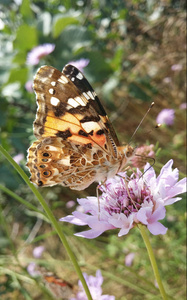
61,22
26,37
18,75
25,9
136,91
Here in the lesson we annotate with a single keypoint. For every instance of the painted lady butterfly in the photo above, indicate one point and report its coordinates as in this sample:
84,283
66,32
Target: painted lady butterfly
76,144
58,287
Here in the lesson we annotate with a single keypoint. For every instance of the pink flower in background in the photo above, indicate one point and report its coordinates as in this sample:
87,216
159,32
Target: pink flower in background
37,251
18,158
94,284
32,269
183,105
129,259
142,154
38,52
167,80
166,116
28,86
176,67
126,202
80,64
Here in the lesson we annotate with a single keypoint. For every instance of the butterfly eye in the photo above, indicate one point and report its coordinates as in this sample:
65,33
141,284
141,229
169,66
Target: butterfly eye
46,154
47,173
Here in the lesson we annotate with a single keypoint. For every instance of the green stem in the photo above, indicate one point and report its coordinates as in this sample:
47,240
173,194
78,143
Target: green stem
51,218
152,260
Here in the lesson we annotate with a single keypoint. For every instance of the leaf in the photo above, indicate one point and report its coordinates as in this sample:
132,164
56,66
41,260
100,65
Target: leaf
136,91
25,9
18,75
26,37
61,22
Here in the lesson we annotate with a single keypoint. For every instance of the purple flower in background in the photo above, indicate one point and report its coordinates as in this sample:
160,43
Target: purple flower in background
126,202
94,285
38,52
32,269
176,67
183,105
80,64
167,80
18,158
166,116
28,86
129,259
37,251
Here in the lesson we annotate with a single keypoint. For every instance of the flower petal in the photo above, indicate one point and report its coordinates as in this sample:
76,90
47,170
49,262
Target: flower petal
157,228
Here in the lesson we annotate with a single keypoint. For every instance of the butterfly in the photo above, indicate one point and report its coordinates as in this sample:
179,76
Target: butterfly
76,143
58,287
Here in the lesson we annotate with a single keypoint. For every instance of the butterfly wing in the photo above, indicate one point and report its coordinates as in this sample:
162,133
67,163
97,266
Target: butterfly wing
76,142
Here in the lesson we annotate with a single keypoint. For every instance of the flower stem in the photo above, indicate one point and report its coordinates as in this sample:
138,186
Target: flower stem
153,260
52,219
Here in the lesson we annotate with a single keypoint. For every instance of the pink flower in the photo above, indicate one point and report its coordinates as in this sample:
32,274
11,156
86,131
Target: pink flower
32,269
18,158
38,52
37,251
126,202
176,67
183,105
28,86
166,116
94,285
80,64
129,259
142,154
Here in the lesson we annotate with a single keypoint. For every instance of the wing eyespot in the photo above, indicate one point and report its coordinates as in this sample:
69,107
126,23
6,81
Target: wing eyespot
46,154
42,166
46,173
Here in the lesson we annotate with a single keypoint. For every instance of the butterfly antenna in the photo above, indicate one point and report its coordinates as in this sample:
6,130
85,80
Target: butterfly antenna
152,104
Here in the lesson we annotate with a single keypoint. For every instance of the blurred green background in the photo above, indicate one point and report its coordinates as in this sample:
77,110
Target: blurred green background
137,55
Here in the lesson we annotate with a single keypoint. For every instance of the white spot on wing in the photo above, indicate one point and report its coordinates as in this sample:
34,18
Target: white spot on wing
88,126
65,161
79,76
54,101
72,102
63,79
53,83
86,96
81,102
73,79
51,91
91,95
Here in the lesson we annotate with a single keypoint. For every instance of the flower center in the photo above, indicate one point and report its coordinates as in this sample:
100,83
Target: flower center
127,202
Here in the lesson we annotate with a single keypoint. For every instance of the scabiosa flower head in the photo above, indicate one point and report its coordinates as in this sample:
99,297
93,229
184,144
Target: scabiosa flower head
142,154
129,259
37,251
166,116
38,52
32,269
94,285
80,64
126,202
176,67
